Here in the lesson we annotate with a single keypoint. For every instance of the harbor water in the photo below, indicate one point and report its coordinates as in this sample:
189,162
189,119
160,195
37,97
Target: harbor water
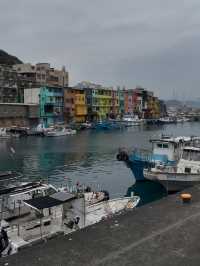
88,158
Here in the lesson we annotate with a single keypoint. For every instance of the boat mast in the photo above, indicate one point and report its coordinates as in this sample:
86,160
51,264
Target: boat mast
84,211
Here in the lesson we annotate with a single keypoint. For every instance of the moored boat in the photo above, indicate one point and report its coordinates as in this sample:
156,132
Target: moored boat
64,212
13,195
168,120
94,213
58,132
4,134
131,120
185,174
165,150
106,125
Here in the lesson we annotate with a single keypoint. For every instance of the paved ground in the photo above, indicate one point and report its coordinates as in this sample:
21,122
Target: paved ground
166,232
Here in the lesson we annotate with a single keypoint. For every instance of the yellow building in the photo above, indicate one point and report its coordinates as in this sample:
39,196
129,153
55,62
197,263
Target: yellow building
75,108
80,106
154,107
102,101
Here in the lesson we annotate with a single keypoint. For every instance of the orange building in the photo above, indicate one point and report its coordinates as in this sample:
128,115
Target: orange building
75,108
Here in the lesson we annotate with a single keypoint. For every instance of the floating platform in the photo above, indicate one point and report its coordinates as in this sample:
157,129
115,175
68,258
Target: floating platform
165,232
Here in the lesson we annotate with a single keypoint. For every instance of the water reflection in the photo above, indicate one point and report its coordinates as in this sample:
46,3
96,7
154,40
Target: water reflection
147,190
88,157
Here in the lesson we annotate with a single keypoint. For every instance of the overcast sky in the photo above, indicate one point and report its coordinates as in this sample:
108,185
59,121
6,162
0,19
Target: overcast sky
152,43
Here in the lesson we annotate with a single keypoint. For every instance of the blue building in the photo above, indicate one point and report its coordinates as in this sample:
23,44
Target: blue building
51,101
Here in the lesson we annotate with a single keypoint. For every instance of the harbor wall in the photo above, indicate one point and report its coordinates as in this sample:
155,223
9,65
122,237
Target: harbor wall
14,114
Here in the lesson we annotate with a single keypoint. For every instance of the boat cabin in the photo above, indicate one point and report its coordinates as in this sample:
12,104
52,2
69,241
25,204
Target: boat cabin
191,154
168,148
12,198
190,161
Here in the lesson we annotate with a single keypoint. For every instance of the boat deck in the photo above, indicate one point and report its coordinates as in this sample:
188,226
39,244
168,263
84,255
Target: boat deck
165,232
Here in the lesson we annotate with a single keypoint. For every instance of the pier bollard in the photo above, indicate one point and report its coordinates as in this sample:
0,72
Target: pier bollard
186,197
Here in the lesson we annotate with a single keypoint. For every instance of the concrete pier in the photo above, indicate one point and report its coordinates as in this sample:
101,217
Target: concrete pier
166,232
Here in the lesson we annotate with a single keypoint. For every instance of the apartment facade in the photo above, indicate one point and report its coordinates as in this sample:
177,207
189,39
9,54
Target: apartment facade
102,102
50,101
121,96
8,85
75,108
43,74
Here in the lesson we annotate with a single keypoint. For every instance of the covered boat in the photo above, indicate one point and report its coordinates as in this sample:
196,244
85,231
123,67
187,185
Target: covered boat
12,197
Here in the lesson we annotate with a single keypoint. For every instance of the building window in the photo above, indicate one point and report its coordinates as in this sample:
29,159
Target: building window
187,170
159,145
165,146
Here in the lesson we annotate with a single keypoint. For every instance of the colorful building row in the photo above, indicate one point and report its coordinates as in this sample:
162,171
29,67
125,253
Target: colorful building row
91,102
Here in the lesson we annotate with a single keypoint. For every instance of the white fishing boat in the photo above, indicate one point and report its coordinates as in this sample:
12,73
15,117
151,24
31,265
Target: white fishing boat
63,212
58,132
12,197
4,134
168,120
82,214
176,178
95,213
86,125
131,120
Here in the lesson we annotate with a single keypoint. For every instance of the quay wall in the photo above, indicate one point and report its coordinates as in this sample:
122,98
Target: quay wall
12,114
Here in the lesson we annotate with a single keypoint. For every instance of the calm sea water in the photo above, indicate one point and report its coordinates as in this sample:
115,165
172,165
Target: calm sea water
88,157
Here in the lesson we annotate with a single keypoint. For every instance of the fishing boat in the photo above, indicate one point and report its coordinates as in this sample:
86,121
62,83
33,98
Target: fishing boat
64,212
184,174
131,120
165,150
86,125
4,134
107,125
12,196
58,132
89,214
6,177
168,120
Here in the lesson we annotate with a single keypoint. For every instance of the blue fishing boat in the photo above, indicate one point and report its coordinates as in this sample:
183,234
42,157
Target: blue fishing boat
107,125
165,151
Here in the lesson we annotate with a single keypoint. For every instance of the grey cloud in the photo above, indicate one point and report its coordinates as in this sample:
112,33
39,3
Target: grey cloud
152,43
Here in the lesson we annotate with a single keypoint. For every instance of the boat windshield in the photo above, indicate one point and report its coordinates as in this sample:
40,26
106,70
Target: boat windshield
192,155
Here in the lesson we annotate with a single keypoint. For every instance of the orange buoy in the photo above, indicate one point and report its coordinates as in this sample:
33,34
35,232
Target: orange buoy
186,197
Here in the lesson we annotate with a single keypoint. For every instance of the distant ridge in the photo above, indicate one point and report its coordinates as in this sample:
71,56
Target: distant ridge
176,103
173,103
7,59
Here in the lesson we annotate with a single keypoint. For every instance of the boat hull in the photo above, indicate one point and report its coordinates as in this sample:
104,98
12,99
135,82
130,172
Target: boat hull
174,182
55,134
137,167
175,186
95,213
